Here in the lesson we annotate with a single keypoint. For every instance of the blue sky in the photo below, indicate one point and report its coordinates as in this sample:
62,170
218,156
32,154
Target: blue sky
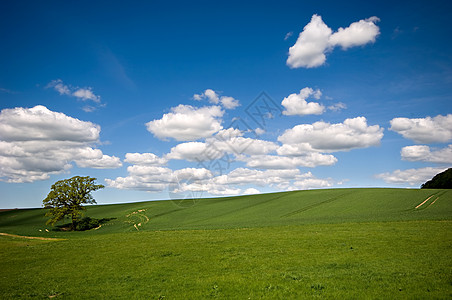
162,100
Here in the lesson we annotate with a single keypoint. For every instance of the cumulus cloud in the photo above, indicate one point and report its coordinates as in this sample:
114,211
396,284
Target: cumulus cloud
310,159
311,45
148,173
296,104
83,94
36,142
153,178
194,151
213,97
145,159
308,181
424,130
157,179
317,39
232,141
357,34
244,176
143,178
410,176
321,136
226,141
425,154
187,123
251,191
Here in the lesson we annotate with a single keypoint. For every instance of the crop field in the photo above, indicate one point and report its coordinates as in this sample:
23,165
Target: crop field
337,243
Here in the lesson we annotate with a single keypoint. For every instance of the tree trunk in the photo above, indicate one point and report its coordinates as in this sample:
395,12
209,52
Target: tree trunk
74,219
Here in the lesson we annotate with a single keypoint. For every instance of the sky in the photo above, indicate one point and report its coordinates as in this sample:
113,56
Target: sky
166,100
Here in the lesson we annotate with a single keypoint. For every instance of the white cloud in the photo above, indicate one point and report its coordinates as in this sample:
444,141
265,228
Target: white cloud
337,106
326,137
357,34
145,159
423,153
410,176
143,178
296,104
39,123
213,97
187,123
180,183
193,174
229,141
59,86
80,93
229,102
194,151
103,162
210,187
156,179
311,160
86,94
36,142
424,130
244,176
259,131
317,39
232,141
308,181
309,49
251,191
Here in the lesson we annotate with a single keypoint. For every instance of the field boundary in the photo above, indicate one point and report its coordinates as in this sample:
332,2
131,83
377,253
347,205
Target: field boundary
31,237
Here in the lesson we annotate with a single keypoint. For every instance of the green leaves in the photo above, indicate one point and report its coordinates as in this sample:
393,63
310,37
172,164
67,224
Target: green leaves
67,196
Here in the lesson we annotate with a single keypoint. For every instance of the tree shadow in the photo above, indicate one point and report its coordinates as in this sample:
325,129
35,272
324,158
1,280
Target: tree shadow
84,224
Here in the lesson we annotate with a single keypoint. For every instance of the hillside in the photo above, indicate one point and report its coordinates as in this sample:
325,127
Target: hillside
276,209
329,244
442,180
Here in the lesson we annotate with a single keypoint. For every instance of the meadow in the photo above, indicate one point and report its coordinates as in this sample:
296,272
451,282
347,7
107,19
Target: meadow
338,243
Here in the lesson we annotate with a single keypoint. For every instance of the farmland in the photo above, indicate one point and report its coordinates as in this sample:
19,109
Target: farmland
352,243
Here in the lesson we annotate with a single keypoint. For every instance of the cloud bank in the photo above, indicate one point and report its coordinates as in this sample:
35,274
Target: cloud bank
37,142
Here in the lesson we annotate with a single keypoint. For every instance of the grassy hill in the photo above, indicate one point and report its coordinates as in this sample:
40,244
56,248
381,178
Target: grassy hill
277,209
338,243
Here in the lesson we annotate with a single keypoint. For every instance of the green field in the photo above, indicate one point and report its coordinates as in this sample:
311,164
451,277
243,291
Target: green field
338,243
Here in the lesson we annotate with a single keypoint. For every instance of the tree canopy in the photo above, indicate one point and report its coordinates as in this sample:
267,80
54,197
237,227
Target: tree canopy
442,180
67,196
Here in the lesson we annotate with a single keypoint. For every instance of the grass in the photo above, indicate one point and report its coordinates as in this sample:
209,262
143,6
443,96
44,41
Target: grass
350,243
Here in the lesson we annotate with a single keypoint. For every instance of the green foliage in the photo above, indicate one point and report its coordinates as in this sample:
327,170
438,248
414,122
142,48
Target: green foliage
442,180
67,196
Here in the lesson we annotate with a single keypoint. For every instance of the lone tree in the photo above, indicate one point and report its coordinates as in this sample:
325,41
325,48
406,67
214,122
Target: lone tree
67,196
